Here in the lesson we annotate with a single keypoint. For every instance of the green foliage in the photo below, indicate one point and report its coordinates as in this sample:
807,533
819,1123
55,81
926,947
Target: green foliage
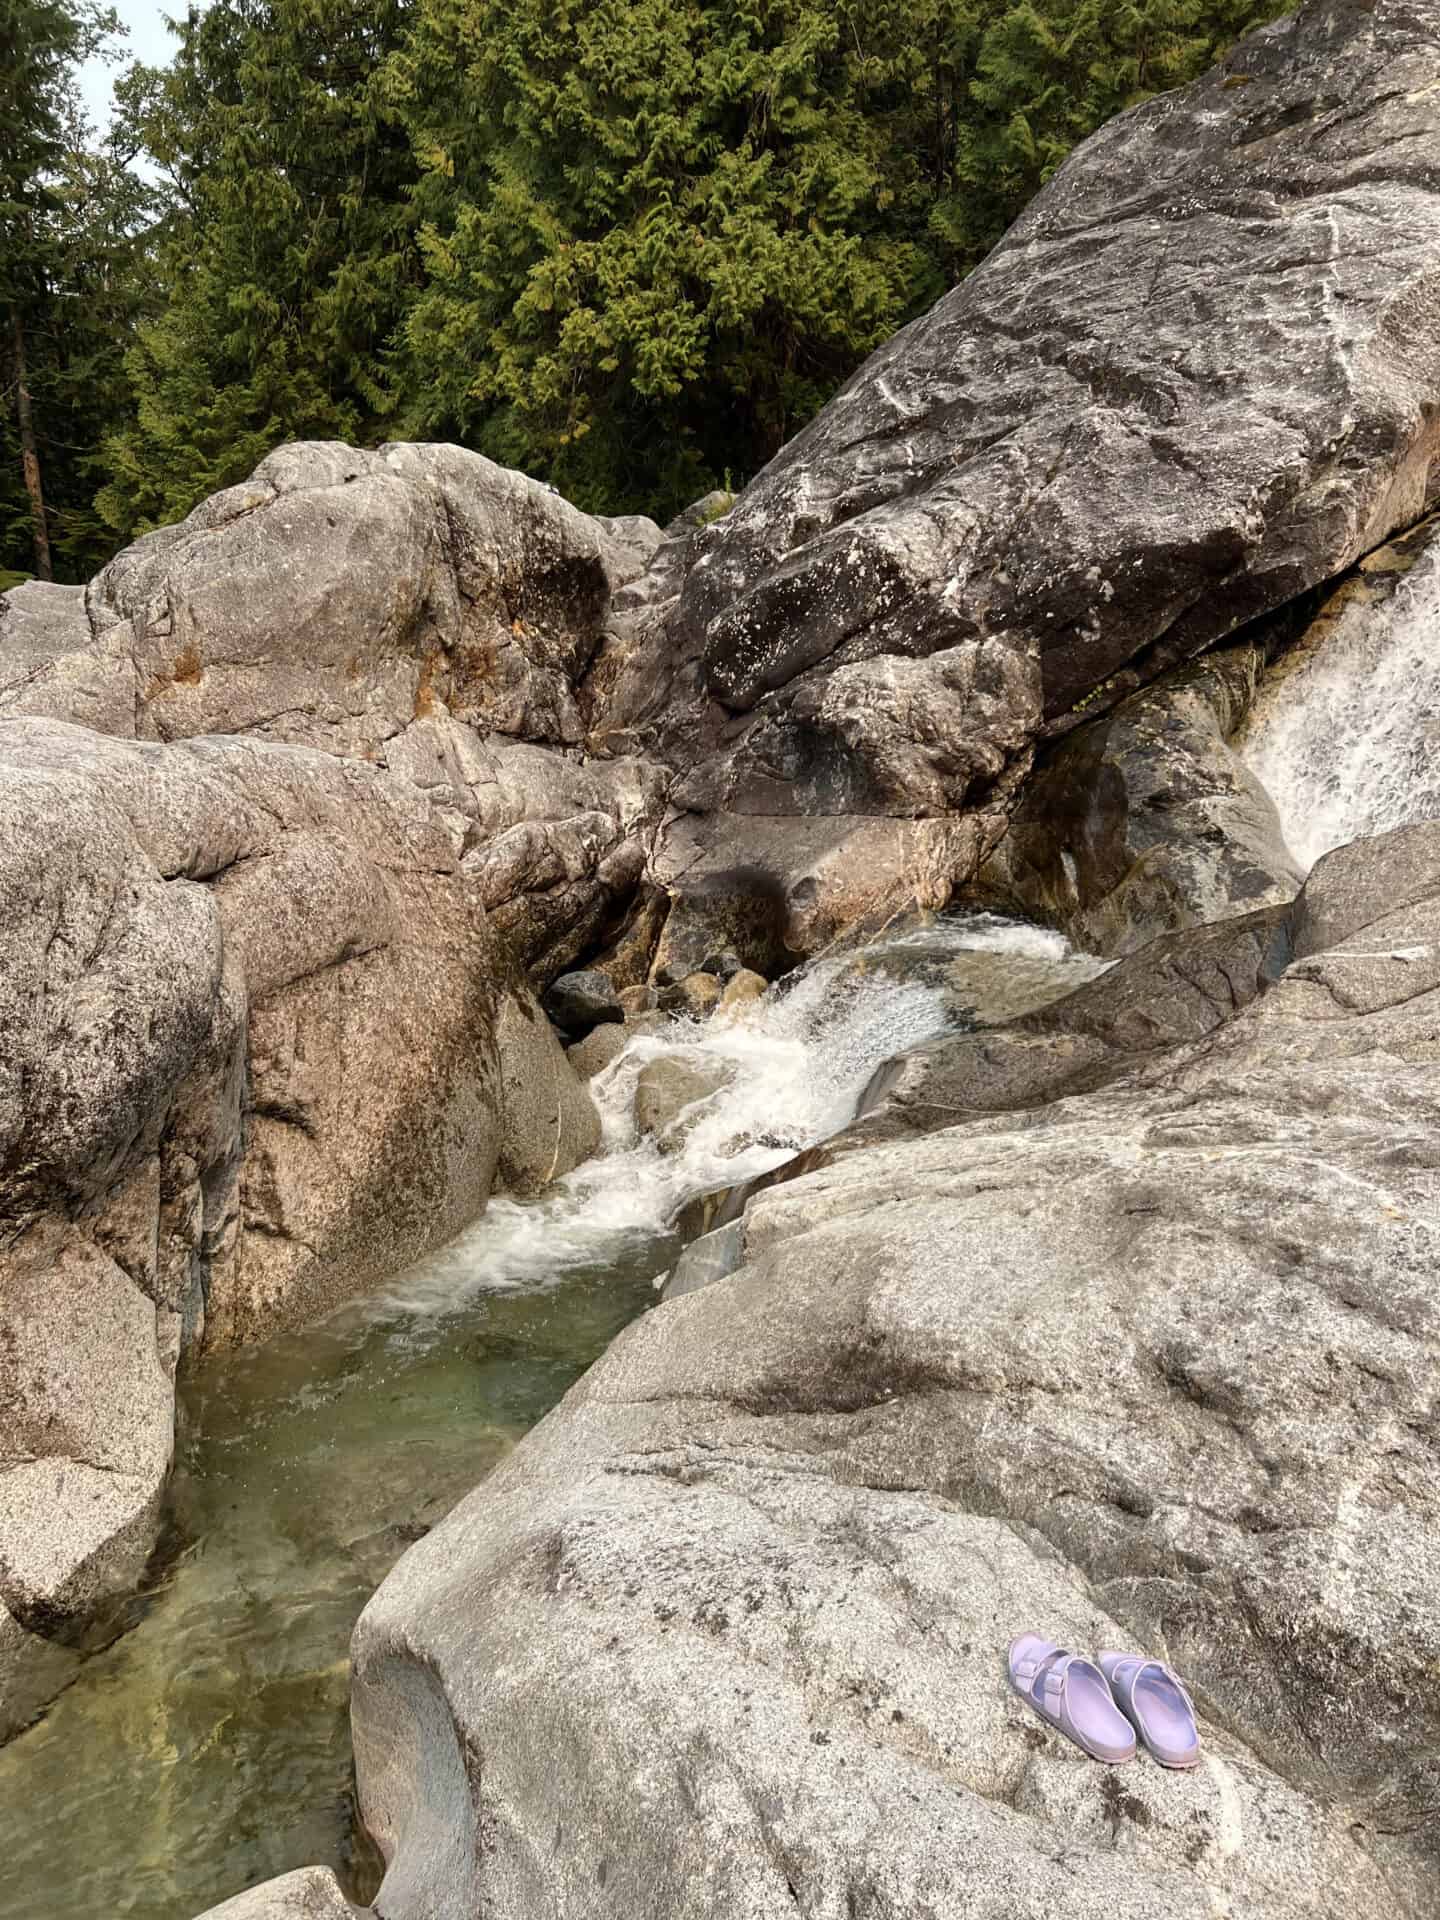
628,245
286,251
73,218
657,234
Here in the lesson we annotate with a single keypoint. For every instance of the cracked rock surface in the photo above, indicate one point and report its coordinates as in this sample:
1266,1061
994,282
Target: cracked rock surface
1150,1367
1199,375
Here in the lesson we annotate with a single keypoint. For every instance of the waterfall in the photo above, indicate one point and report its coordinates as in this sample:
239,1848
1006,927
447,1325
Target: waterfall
1345,732
795,1064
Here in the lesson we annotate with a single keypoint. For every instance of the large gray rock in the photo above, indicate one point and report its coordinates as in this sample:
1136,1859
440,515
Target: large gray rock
417,607
267,1032
1199,375
260,1046
1151,1367
336,595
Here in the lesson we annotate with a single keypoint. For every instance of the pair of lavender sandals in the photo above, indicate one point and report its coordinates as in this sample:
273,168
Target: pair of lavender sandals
1102,1705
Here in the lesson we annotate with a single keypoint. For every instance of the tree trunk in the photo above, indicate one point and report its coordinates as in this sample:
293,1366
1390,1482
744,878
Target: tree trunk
29,453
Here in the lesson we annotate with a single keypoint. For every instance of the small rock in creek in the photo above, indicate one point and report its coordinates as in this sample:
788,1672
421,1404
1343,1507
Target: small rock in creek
664,1091
724,965
697,995
599,1047
577,1002
742,991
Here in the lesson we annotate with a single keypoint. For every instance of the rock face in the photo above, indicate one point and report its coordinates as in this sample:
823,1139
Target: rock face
1148,820
337,595
1346,728
261,1047
1198,376
1178,989
278,875
1151,1367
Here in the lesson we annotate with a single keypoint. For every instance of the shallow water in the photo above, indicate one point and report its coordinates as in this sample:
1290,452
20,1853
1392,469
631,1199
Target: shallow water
209,1747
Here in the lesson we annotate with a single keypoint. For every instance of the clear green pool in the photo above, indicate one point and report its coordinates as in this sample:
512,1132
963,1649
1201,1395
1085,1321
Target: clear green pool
209,1747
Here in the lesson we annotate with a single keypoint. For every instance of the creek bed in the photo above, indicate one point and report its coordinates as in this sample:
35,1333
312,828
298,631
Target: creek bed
208,1748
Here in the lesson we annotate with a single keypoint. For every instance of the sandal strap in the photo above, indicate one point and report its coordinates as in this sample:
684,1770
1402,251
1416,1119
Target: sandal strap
1132,1678
1027,1666
1052,1682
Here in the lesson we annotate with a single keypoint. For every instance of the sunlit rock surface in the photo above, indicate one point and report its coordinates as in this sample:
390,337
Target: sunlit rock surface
1151,1367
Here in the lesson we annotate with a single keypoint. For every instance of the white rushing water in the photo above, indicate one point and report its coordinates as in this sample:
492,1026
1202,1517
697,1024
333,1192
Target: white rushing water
796,1061
1346,737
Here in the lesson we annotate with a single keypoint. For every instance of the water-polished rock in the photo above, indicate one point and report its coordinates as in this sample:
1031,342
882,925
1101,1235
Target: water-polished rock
1151,1367
1148,819
694,996
311,1894
668,1088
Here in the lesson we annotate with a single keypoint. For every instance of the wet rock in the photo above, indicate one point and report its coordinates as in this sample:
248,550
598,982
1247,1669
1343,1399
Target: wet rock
667,1089
1176,990
1345,729
695,996
576,1002
714,1256
1152,1365
596,1051
551,1123
639,999
311,1894
742,990
723,964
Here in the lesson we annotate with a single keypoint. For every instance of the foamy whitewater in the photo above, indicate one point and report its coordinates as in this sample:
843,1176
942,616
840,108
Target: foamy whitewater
1346,741
799,1059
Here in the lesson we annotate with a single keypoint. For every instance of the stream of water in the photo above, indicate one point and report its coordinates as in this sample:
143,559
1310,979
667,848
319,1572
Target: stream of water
208,1748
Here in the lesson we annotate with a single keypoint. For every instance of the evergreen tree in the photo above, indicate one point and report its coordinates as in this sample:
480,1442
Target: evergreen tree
49,191
287,247
1045,75
657,234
